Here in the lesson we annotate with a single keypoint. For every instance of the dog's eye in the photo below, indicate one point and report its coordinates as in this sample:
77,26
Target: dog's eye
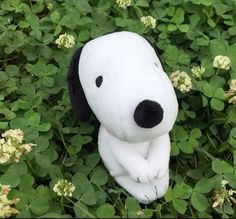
98,81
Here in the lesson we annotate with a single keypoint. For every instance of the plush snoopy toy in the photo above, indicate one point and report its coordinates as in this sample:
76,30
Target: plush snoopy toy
120,78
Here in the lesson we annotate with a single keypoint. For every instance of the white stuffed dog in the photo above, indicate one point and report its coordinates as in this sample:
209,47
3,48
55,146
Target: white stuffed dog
120,78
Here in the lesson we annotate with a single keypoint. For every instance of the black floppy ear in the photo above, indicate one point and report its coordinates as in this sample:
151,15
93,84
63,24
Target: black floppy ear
78,100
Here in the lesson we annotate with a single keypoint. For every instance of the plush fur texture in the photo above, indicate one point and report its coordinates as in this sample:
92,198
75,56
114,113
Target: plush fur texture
125,86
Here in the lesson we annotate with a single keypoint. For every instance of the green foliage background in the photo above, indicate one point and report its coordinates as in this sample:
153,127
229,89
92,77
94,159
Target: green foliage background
34,98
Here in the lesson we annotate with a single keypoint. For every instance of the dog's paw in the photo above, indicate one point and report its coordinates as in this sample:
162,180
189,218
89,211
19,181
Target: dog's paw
146,199
142,173
148,196
161,172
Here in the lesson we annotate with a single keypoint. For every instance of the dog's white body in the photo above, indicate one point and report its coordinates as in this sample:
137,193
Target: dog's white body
138,158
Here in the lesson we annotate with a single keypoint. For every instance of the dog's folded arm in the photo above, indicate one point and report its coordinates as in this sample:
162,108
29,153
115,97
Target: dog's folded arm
159,155
136,166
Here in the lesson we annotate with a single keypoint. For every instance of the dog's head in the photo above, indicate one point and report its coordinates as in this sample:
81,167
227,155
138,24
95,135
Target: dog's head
120,78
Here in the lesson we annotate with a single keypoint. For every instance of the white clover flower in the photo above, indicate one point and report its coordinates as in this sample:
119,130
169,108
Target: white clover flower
123,3
222,62
198,71
231,192
233,85
140,213
14,134
26,148
224,182
218,201
64,188
231,93
232,100
223,195
49,6
181,81
11,147
5,158
6,209
65,40
148,21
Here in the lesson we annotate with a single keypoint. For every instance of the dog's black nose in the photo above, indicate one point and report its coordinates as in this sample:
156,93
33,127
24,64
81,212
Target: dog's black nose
148,114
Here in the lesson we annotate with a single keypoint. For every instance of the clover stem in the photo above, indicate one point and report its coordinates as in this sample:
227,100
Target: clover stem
29,165
81,208
191,210
62,204
62,139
